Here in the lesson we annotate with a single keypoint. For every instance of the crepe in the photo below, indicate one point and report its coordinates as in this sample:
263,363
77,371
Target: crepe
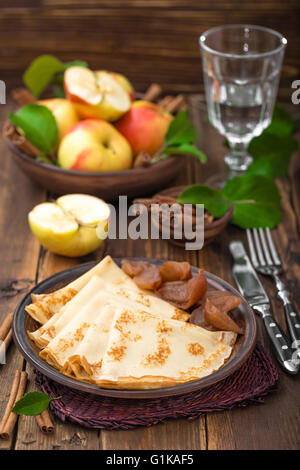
103,329
97,311
44,306
144,351
134,298
59,320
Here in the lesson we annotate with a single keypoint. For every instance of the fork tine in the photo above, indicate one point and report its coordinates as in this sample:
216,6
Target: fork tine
251,248
272,247
265,247
258,248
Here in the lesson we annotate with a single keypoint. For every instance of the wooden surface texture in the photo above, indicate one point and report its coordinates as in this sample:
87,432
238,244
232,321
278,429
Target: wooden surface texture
130,36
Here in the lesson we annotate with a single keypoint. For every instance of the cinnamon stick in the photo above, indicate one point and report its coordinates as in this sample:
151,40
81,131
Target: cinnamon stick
175,104
44,422
22,96
153,92
17,391
7,339
20,141
143,159
165,101
6,326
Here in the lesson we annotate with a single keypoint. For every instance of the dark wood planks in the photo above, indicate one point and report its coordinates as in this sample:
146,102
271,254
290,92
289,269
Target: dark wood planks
19,253
129,36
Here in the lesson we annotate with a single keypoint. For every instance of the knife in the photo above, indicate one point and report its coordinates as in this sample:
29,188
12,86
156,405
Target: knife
251,288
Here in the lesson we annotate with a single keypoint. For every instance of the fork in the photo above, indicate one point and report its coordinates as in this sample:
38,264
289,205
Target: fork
266,261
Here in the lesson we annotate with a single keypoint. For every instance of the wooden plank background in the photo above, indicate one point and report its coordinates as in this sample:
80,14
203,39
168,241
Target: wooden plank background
134,35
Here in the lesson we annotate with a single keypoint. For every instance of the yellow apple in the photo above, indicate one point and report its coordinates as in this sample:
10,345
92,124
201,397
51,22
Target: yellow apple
74,225
96,95
125,84
145,126
64,113
94,145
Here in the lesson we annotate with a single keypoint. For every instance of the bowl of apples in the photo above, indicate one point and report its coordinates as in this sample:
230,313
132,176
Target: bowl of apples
97,138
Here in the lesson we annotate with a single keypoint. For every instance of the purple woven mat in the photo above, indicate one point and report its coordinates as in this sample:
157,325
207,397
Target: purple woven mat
256,377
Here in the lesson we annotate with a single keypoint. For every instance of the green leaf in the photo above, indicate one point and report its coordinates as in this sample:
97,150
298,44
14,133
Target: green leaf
181,130
41,72
73,63
257,215
214,201
282,123
256,201
186,149
32,403
39,126
271,154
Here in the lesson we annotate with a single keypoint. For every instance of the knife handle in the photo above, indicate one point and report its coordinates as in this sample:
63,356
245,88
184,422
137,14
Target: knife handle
279,340
292,318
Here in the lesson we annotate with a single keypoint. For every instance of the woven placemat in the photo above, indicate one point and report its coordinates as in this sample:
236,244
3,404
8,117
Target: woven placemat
255,378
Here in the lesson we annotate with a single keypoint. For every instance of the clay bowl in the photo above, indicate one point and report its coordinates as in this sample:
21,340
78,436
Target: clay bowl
212,228
133,183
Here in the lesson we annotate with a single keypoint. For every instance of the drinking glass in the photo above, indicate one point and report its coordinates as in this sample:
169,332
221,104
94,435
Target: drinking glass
241,68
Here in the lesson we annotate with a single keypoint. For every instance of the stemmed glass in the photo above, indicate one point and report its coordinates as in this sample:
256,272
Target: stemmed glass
241,68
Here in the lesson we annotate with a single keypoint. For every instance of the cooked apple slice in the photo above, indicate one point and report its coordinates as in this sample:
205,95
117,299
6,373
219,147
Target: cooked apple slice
74,225
219,319
96,94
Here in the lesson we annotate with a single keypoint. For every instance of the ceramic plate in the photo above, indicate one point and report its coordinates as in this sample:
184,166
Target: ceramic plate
243,315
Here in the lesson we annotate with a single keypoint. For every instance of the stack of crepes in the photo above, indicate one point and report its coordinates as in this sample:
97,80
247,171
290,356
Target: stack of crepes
102,329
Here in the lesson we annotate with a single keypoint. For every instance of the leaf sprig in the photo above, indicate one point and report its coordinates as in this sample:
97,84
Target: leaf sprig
39,126
32,403
45,70
255,199
180,139
272,150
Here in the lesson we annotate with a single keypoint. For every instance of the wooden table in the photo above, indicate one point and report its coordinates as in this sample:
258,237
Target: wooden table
272,425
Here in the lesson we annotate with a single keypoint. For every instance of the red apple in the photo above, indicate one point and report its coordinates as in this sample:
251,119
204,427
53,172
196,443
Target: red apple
145,126
97,95
94,145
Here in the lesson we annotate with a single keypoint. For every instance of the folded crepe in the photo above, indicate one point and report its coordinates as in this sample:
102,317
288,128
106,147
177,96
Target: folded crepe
44,306
143,351
134,298
59,320
64,345
61,335
115,335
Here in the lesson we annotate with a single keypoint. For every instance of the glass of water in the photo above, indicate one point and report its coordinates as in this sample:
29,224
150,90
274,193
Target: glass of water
241,68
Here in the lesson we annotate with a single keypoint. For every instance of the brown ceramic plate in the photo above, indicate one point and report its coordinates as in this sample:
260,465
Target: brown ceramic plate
22,322
133,183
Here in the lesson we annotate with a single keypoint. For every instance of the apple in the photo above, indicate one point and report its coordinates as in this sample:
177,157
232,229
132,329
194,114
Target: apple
96,95
74,225
94,145
125,84
145,126
64,113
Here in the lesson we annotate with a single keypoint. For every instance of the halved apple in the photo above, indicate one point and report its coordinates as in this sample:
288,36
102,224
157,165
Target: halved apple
96,94
125,84
74,225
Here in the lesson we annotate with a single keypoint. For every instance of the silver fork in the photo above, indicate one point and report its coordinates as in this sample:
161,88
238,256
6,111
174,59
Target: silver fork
265,259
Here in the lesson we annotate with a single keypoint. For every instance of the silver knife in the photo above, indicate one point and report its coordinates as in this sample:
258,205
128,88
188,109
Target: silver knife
251,288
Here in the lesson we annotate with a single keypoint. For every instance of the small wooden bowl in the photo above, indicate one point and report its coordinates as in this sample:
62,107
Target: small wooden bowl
133,183
211,229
